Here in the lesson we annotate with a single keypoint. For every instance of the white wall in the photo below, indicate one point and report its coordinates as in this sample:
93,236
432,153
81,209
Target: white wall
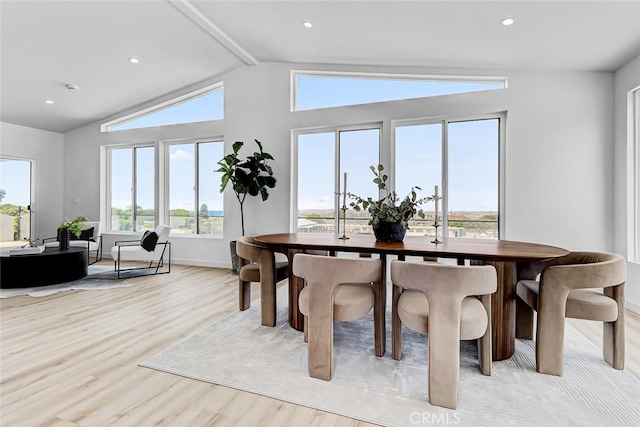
626,78
559,171
47,149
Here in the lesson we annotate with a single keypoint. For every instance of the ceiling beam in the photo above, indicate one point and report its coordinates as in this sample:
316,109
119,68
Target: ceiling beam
213,30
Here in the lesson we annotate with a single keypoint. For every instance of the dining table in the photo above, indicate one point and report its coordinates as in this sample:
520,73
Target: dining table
507,256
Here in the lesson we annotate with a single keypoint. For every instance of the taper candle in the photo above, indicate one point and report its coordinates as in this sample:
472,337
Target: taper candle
436,210
344,199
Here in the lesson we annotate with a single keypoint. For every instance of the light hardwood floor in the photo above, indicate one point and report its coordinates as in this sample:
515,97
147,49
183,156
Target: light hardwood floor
71,359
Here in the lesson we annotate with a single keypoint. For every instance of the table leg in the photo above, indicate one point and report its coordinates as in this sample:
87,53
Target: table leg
503,310
380,310
296,319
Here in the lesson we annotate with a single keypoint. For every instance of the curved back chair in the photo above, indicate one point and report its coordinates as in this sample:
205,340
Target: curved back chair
337,289
439,300
566,289
262,268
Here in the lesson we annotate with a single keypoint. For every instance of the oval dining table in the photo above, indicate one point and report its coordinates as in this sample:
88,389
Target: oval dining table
504,255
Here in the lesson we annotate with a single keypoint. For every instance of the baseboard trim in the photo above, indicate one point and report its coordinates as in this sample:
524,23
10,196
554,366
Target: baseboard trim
630,305
194,262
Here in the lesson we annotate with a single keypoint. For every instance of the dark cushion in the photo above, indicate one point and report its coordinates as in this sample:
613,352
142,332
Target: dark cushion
84,235
149,240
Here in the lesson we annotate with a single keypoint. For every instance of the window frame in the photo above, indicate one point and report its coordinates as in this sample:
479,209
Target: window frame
108,126
633,175
444,121
294,74
295,133
108,182
166,199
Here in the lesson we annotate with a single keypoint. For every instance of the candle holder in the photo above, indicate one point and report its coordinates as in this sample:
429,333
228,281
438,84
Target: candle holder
344,223
436,225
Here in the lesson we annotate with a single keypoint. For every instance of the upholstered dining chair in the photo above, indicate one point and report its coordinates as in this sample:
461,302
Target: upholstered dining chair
568,287
448,303
340,289
258,264
152,250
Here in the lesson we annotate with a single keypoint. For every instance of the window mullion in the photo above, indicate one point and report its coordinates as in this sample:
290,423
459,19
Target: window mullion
336,185
445,178
196,186
134,210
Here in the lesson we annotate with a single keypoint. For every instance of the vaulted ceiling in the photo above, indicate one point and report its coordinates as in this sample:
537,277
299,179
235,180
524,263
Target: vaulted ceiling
47,45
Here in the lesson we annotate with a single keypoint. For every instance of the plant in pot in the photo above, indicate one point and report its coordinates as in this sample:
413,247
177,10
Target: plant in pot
67,227
389,219
251,176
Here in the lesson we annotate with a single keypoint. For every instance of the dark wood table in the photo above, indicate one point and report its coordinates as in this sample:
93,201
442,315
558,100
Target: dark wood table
504,255
47,268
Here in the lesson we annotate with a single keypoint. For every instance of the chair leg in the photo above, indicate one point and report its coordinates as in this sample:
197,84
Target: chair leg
524,320
444,357
268,293
244,294
379,318
396,324
484,342
613,332
550,343
306,329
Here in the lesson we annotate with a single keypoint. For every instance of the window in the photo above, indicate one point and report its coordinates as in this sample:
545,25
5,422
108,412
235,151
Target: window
132,184
322,159
462,157
313,90
195,202
15,200
205,104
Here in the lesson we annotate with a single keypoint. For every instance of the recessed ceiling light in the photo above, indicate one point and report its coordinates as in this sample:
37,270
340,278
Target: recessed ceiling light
507,21
134,60
307,24
48,101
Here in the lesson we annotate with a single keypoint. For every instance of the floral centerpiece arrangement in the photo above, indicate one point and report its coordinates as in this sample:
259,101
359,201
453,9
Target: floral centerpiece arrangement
389,219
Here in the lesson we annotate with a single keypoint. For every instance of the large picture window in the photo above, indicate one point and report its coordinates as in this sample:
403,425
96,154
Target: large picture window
195,202
132,204
462,158
323,157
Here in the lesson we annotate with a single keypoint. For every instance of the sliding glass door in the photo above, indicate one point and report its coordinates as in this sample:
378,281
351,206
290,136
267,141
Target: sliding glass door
15,201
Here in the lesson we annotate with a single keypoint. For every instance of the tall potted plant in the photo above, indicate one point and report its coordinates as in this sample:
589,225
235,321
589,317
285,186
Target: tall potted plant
389,219
251,176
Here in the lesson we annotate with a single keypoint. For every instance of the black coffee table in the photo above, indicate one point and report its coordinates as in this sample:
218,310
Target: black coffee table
47,268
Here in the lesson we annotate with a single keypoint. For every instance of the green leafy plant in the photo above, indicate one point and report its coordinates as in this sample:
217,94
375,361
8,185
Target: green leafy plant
387,209
75,226
251,176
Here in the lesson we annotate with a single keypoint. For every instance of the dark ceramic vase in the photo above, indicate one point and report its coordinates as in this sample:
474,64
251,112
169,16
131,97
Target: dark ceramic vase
63,238
389,231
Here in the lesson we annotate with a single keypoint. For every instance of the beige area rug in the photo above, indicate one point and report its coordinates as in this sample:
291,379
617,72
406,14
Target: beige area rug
100,277
238,352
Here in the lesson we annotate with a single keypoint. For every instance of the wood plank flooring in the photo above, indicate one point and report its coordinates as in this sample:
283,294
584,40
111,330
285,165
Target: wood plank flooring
71,359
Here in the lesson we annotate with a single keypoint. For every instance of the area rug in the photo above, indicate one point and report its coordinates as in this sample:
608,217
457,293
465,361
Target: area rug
100,277
238,352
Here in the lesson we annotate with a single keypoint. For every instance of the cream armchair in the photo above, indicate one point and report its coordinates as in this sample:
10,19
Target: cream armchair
92,243
132,250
